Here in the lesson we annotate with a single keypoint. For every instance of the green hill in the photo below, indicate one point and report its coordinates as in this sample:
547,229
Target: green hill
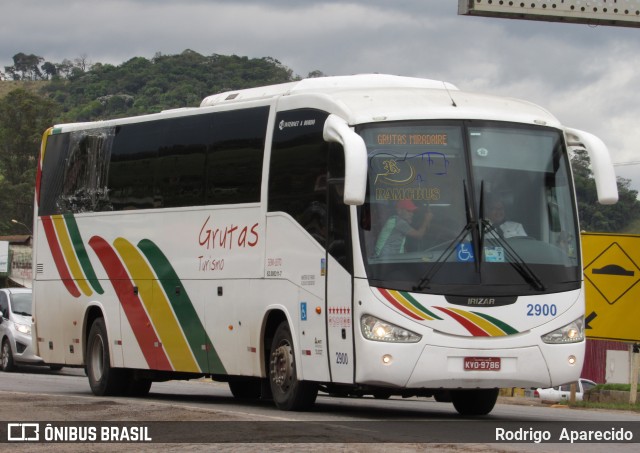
143,85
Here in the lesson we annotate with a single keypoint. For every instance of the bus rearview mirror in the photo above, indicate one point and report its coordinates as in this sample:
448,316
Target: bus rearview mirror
337,130
601,165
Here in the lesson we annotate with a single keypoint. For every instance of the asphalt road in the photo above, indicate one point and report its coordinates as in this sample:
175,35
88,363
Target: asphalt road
203,416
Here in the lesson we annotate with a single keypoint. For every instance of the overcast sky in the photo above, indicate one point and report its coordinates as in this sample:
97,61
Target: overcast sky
589,77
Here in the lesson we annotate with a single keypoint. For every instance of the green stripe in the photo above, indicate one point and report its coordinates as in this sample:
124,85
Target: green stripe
419,306
506,328
187,316
81,253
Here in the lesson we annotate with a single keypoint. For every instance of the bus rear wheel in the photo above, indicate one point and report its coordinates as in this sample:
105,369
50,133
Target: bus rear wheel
103,379
288,392
474,402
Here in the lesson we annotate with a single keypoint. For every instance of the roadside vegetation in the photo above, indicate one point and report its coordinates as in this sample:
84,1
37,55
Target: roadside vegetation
607,405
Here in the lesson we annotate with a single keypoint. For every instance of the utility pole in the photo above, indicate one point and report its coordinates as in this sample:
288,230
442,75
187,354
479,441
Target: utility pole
635,369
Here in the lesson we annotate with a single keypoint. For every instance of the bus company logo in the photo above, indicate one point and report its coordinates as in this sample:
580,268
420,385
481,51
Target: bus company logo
286,124
481,301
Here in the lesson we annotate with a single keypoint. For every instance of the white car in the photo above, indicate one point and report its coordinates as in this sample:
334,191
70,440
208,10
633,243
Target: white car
563,392
15,329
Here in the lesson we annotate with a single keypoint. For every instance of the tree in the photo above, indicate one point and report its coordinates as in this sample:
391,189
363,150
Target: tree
49,70
24,116
25,67
593,216
316,73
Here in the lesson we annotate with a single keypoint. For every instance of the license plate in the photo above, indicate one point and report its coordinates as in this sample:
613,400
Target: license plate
482,363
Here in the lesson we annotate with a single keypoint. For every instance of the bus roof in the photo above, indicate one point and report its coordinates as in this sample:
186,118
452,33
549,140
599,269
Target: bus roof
363,99
327,85
379,97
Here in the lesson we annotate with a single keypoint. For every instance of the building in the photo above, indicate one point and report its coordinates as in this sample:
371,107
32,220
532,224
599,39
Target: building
15,261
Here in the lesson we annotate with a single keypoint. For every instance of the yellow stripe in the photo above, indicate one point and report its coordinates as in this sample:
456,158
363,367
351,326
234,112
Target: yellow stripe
43,146
491,329
70,254
405,303
422,313
158,307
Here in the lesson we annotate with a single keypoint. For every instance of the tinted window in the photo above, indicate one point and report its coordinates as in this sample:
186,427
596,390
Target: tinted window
234,161
298,176
192,160
52,179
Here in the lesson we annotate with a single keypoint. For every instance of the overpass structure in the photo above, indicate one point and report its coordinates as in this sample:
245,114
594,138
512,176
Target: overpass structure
620,13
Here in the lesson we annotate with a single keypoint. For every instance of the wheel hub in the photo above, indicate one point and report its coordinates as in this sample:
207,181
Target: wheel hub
282,366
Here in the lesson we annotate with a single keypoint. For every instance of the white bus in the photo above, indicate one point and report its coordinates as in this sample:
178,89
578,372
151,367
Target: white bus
245,240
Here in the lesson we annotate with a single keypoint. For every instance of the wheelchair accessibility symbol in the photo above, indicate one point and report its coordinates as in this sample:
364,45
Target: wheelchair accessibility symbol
464,252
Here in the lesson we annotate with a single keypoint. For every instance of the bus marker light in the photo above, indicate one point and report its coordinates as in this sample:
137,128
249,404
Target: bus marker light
572,360
319,310
387,359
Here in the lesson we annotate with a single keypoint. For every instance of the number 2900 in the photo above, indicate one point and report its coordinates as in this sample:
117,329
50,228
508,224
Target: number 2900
542,310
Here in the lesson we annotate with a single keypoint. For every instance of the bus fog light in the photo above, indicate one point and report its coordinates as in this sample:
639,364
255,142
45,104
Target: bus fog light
387,359
378,330
571,333
572,360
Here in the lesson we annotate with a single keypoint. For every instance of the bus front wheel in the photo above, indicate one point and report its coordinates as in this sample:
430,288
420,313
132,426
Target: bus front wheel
103,379
288,392
474,402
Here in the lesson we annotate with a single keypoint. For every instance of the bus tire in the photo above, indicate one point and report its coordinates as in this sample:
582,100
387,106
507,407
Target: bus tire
103,379
474,402
288,392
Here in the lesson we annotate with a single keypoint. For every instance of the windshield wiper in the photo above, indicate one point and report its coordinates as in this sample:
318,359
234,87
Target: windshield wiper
513,258
478,239
444,256
471,226
22,313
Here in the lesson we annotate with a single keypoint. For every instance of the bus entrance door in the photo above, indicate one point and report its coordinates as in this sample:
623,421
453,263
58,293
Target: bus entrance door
339,305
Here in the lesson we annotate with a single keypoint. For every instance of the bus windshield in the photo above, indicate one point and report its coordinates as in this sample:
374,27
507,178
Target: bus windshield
452,205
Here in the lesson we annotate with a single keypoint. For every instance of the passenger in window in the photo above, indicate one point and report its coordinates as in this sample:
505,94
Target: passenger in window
503,227
398,227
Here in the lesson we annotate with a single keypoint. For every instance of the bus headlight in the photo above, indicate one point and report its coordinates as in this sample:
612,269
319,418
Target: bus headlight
571,333
378,330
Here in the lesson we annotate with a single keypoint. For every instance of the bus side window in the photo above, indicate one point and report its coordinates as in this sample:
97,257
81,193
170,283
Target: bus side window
298,169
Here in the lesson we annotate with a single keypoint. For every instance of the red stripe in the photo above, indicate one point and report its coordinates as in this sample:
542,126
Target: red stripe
397,304
58,257
136,315
471,327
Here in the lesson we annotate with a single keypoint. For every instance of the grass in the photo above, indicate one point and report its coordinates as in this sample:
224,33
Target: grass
620,387
610,406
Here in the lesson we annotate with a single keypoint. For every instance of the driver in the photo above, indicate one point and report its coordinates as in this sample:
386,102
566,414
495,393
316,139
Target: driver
505,228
